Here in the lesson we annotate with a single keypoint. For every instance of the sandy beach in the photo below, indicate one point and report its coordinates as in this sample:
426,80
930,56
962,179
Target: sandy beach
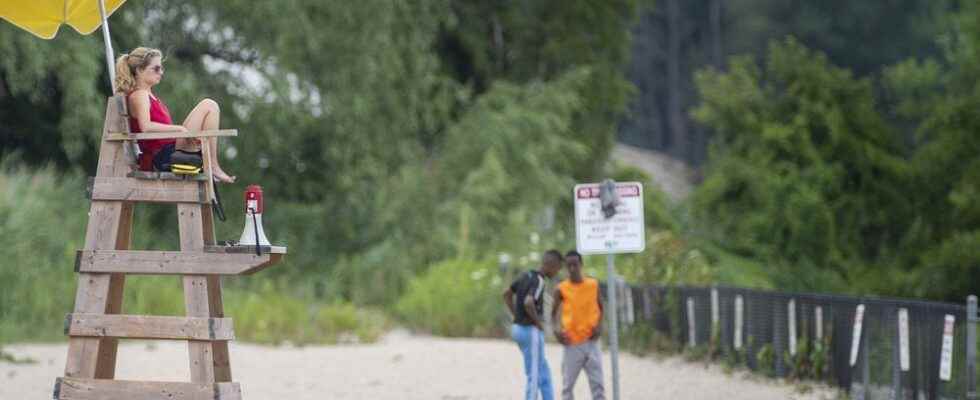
401,366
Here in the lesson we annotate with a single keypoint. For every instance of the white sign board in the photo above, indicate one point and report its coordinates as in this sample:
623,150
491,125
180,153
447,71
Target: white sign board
903,338
946,360
818,318
791,322
856,337
691,332
623,233
738,322
714,309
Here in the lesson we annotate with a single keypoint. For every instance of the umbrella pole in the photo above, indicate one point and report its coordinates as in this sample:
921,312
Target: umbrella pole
109,55
134,148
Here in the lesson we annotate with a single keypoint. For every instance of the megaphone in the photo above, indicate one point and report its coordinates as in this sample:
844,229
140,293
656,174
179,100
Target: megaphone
253,235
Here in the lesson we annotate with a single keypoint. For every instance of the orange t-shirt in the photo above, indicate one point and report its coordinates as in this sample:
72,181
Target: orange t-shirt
580,312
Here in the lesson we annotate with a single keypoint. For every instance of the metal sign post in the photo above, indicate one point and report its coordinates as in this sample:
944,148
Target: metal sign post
613,323
609,220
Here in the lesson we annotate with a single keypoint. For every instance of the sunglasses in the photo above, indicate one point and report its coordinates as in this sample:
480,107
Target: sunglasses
157,68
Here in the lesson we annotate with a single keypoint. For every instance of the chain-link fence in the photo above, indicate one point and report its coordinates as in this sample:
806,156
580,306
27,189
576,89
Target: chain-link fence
875,348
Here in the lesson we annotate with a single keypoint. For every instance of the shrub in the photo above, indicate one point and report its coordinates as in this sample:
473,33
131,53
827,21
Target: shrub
266,315
454,298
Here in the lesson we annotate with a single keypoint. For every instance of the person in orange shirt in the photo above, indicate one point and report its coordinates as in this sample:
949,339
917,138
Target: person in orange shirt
577,301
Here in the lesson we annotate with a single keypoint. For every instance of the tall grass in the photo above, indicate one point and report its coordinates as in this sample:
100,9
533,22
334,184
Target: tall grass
42,224
454,298
42,221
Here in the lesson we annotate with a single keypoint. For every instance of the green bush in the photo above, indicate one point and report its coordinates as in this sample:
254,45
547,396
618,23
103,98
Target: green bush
266,315
765,360
454,298
42,218
643,339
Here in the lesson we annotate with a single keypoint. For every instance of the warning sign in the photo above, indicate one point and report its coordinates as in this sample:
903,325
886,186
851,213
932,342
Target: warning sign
620,233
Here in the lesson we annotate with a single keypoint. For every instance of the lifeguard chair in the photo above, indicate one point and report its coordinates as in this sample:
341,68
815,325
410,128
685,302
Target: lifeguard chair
97,322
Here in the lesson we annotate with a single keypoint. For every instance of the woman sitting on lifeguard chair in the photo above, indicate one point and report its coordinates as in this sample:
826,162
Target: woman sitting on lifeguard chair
136,74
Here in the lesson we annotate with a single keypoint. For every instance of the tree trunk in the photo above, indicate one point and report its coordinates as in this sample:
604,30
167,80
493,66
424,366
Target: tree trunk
676,121
715,12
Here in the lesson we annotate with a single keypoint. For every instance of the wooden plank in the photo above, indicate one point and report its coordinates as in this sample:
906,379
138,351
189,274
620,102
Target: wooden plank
191,227
149,327
216,307
209,172
120,123
105,367
101,389
239,249
112,156
119,136
108,228
165,176
159,191
118,110
150,262
200,352
222,360
93,290
207,229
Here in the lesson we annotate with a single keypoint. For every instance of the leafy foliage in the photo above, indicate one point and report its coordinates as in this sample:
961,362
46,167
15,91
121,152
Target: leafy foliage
941,99
454,298
804,171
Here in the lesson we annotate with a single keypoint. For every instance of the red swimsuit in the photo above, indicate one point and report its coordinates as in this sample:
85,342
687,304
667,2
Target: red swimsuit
160,114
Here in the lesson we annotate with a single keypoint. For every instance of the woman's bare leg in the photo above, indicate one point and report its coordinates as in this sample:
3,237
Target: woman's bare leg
206,116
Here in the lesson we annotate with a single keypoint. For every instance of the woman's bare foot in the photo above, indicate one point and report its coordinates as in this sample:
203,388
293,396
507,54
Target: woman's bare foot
221,176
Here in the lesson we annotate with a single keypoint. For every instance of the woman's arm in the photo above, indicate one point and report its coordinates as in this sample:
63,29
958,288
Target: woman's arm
139,107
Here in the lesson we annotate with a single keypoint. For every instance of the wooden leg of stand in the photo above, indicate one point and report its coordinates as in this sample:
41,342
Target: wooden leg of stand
222,361
106,365
94,295
196,292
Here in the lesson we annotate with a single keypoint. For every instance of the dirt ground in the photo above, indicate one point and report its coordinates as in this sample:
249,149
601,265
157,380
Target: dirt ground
402,366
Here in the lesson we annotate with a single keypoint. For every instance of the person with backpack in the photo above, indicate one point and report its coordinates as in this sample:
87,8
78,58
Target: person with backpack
528,327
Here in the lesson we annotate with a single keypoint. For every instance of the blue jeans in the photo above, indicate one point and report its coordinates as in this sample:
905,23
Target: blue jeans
531,341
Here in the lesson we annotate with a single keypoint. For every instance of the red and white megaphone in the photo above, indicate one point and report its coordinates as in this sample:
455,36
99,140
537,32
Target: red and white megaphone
253,235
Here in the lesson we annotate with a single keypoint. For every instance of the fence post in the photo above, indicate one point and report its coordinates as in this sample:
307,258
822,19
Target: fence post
779,335
866,360
896,354
857,347
647,305
971,347
713,333
791,326
747,339
738,327
692,332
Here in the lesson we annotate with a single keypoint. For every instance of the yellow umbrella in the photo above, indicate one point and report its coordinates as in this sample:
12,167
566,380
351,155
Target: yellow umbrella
44,17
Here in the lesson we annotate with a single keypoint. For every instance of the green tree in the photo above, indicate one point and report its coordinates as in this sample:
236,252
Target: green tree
804,172
539,40
377,157
941,99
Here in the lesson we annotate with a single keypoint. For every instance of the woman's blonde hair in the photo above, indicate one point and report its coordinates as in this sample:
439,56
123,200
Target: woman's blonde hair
128,64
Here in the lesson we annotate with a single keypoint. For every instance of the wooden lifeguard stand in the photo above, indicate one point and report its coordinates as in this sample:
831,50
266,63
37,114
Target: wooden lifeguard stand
97,323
